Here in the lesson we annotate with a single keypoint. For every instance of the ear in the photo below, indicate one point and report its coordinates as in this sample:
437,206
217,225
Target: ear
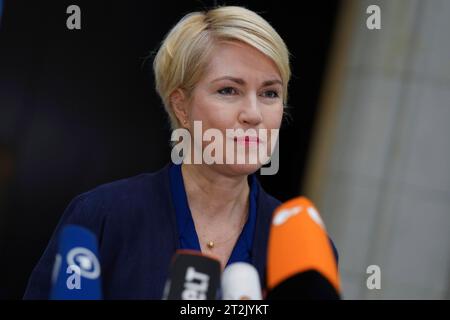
179,103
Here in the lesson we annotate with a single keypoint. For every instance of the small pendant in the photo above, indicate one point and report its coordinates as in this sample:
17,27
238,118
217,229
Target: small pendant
210,244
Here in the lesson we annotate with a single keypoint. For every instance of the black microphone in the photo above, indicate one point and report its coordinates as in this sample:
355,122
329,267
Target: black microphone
301,264
192,276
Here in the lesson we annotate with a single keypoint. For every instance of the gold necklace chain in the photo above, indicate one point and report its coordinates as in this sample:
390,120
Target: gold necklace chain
211,244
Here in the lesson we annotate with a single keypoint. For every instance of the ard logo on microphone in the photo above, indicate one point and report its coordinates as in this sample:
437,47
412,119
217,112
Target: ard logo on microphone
196,285
81,262
283,215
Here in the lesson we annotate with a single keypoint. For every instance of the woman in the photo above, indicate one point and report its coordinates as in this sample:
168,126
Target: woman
225,68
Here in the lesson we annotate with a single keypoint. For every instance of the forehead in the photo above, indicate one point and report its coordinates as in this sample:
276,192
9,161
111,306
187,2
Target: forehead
241,60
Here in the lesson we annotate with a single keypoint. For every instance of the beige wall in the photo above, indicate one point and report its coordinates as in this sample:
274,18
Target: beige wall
380,167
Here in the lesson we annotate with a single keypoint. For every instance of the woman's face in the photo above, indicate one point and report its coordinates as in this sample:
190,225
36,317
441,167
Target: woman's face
241,89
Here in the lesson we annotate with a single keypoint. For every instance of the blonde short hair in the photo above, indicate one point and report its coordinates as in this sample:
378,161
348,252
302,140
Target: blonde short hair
183,56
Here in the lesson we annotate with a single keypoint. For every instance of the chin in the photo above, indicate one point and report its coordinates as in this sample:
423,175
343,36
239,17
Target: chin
242,169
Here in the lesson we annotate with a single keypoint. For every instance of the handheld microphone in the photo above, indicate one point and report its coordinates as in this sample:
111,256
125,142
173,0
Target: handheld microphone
76,272
301,263
192,276
1,11
240,281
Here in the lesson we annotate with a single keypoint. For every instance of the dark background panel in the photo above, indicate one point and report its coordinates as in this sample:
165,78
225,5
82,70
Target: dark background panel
78,108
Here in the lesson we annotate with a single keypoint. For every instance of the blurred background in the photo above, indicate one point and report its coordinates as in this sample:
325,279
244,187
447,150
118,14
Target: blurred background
368,137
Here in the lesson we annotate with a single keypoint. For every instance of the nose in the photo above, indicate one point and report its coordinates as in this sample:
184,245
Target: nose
250,113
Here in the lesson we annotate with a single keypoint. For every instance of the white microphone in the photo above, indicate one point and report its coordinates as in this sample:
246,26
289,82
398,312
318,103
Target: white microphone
240,281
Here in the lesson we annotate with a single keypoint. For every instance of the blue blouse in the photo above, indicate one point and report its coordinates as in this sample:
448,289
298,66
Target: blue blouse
188,238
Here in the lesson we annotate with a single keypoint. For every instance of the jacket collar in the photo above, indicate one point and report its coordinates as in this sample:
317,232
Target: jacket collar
266,207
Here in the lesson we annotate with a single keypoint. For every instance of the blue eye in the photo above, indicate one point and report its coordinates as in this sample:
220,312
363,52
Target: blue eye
227,91
271,94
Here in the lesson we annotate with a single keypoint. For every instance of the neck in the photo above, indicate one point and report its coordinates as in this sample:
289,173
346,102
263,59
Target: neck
216,196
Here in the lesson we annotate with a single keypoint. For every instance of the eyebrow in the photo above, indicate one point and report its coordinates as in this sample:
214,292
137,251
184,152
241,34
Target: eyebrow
242,82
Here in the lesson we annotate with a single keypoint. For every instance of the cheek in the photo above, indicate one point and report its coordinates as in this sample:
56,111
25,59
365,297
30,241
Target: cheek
273,116
212,113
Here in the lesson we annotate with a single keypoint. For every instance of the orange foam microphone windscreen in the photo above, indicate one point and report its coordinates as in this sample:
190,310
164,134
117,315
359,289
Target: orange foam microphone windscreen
301,261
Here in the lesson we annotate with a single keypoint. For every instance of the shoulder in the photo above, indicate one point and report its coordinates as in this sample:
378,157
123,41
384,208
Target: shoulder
117,198
123,189
117,191
265,200
269,199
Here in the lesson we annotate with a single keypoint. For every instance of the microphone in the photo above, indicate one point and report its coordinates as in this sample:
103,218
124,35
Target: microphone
192,276
301,264
76,272
1,11
240,281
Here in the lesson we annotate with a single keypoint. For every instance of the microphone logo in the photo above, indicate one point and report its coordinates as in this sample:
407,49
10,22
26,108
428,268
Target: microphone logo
56,267
86,261
282,216
196,285
285,214
313,214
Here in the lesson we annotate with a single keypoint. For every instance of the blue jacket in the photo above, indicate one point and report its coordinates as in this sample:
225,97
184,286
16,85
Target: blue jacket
135,223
